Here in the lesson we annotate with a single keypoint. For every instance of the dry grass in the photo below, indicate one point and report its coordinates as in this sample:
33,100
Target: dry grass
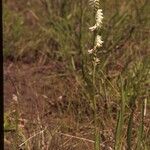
47,88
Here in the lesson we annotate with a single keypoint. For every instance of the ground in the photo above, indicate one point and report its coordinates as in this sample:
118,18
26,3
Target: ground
40,101
43,103
53,98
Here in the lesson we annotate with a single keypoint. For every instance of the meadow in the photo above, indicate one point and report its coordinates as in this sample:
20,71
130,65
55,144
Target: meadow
55,96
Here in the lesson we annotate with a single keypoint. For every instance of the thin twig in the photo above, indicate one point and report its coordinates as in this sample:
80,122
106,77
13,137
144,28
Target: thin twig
76,137
79,138
145,105
40,132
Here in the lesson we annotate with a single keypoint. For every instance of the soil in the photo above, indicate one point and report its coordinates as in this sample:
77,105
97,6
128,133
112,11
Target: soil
49,96
43,94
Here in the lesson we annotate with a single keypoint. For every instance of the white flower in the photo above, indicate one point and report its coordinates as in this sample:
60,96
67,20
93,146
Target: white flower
98,18
93,28
90,51
98,41
97,60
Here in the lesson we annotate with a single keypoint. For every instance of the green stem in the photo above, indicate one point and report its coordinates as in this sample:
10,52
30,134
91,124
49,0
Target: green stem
97,134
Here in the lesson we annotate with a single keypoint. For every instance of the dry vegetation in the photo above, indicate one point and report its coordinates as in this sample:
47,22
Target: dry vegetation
47,85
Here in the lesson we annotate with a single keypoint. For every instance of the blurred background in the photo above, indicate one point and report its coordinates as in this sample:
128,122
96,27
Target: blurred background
46,80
